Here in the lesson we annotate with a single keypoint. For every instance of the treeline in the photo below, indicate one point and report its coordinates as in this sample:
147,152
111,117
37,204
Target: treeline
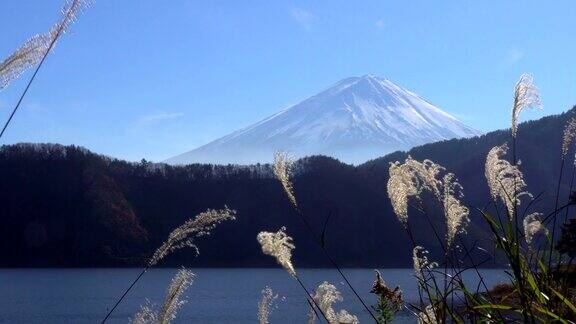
66,206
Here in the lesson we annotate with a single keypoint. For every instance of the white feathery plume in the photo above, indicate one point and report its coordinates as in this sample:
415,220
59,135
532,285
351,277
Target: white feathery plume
280,246
568,137
325,295
30,53
283,165
410,178
427,174
456,213
343,317
146,315
532,226
266,305
421,262
70,12
173,300
401,186
184,236
428,316
35,48
407,180
526,95
311,314
505,180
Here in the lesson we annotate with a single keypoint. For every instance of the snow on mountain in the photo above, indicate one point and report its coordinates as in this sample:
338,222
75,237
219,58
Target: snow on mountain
357,119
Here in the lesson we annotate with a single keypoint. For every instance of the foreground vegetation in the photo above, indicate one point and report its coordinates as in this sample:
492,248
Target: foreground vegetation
541,274
541,286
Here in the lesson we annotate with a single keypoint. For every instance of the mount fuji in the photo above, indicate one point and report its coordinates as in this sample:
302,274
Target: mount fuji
355,120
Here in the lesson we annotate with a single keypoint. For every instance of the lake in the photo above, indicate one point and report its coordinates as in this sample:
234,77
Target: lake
216,296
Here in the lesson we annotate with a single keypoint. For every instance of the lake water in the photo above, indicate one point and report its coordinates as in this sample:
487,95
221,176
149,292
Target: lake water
216,296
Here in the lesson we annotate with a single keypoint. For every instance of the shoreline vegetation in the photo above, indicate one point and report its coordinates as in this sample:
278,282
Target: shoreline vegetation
539,289
536,243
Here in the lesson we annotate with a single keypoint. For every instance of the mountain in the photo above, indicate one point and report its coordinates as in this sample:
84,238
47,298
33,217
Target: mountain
355,120
66,206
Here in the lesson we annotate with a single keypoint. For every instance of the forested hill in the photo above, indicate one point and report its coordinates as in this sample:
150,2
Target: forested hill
66,206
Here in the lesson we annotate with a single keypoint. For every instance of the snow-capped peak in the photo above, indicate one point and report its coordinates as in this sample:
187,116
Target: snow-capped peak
356,119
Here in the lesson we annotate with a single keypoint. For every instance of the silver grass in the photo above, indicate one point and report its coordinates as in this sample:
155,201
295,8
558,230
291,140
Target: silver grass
532,226
183,236
505,180
311,314
280,246
283,165
70,12
266,305
401,186
428,316
146,315
343,317
526,95
421,262
173,300
568,137
32,51
456,213
408,180
325,295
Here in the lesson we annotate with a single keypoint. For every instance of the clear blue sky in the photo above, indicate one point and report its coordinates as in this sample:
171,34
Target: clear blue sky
152,79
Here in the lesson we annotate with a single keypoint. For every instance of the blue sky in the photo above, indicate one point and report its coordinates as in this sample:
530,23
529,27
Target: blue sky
151,79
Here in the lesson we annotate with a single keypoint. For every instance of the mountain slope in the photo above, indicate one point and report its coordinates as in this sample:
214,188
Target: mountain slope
357,119
50,215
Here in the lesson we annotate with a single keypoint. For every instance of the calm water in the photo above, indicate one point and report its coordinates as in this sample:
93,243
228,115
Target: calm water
217,295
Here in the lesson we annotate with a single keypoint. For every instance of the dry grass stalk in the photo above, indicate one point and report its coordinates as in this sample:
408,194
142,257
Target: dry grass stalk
505,180
568,136
526,95
172,302
421,262
266,305
427,316
455,212
35,48
280,246
183,236
532,226
283,168
325,295
408,180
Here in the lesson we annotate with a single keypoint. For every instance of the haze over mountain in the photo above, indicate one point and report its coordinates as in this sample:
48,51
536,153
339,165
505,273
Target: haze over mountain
355,120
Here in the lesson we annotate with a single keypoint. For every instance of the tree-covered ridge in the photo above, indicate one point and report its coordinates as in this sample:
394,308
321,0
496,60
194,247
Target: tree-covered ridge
66,206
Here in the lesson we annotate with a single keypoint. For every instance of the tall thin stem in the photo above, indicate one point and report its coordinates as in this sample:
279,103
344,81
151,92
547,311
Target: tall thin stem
423,285
310,297
570,190
556,213
125,293
52,42
514,238
333,262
